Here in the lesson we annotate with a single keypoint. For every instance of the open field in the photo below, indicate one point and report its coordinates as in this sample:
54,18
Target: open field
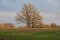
30,34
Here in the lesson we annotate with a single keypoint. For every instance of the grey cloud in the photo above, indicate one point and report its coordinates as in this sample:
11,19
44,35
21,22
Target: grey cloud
50,9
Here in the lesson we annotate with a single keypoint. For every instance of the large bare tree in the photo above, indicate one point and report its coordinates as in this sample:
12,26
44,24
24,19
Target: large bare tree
29,15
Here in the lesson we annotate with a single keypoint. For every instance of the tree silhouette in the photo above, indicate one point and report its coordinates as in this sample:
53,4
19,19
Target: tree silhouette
29,15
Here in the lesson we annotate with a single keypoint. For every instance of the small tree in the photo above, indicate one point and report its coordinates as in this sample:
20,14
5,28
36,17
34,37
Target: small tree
53,25
29,15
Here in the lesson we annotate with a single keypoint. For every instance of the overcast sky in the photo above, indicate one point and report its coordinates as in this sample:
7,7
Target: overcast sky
49,9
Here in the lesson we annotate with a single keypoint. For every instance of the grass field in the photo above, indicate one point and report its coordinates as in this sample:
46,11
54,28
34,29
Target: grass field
29,34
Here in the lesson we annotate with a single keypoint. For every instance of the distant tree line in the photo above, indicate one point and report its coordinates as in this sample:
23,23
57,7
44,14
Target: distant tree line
7,25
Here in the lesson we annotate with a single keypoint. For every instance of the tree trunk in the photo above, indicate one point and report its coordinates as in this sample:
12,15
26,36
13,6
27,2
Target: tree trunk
28,25
32,25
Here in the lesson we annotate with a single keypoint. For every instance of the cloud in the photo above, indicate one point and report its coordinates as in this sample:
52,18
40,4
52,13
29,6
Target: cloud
50,9
53,3
49,15
50,18
7,17
10,14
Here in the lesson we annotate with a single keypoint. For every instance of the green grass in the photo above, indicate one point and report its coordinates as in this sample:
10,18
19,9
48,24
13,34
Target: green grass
30,35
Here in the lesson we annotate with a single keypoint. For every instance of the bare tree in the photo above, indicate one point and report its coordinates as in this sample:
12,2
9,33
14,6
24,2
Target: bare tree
29,15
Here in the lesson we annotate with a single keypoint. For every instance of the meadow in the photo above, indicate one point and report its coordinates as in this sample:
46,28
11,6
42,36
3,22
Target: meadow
29,34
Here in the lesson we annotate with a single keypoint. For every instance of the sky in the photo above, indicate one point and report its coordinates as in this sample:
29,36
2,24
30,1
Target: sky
49,9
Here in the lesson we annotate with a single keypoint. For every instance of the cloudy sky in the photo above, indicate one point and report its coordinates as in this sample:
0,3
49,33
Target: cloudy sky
49,9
